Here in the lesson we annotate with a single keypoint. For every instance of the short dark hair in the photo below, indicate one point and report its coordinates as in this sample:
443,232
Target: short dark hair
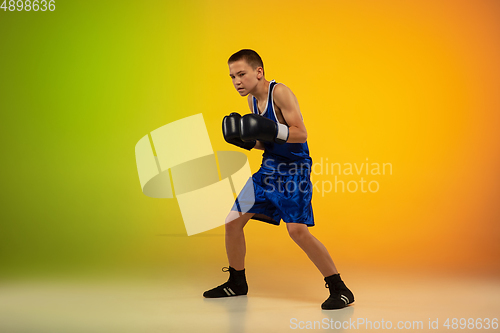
250,56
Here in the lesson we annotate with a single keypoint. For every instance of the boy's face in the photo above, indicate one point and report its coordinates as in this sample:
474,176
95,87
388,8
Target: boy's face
244,77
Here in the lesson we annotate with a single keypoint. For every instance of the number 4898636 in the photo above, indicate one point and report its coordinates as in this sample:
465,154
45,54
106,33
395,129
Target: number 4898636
28,5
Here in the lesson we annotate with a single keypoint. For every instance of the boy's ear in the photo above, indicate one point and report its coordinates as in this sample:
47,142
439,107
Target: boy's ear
260,72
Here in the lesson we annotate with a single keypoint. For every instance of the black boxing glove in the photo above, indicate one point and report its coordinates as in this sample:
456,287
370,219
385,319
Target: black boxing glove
231,132
255,127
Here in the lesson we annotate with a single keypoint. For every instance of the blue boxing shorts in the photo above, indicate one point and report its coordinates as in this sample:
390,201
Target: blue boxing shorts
278,191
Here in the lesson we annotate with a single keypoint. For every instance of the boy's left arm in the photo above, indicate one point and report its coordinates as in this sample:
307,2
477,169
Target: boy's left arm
286,101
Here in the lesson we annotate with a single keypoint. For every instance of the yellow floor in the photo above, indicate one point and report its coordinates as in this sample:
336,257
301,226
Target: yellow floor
163,304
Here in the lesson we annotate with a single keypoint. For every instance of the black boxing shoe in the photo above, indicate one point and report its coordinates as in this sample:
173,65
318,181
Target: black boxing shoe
340,295
236,285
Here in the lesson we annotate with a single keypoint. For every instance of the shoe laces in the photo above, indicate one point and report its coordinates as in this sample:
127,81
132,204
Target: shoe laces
225,269
334,290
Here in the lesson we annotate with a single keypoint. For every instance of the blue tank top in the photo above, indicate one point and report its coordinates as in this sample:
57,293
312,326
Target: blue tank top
275,154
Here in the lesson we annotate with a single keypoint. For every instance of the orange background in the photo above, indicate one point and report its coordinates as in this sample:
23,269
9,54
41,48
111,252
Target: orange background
412,83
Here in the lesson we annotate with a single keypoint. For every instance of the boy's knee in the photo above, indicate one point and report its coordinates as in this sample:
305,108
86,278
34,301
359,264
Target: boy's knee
235,222
232,226
298,232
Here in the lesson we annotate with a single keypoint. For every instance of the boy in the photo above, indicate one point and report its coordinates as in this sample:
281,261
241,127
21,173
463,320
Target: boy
281,189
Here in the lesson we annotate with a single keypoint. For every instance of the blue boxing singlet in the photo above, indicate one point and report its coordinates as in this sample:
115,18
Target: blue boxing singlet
274,153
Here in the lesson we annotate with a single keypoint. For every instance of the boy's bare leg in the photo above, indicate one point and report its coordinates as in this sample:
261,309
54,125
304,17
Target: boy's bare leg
236,285
235,239
340,295
314,249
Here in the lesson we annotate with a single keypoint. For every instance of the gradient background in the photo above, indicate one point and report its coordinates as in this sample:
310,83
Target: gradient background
412,83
